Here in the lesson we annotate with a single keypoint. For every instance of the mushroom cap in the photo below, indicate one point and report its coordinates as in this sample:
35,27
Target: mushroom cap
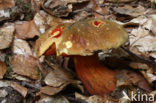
89,35
46,39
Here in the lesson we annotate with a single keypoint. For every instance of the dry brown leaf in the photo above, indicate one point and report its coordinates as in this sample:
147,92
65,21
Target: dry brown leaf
142,42
60,8
20,78
52,90
4,4
4,83
2,69
6,35
129,77
26,29
142,39
57,78
3,93
120,1
50,99
22,90
147,71
36,5
103,11
92,99
4,14
21,47
146,22
40,21
25,65
129,10
153,25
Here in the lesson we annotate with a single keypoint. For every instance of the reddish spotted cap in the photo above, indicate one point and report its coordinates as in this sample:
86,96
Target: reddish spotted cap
89,35
47,40
82,38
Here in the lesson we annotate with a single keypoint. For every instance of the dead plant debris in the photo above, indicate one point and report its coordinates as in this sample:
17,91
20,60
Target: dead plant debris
32,28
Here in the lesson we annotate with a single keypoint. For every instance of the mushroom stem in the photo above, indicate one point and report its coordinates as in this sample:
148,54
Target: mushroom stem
97,78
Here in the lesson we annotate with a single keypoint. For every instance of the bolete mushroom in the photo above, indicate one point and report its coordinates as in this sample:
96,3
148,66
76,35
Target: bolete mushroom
81,40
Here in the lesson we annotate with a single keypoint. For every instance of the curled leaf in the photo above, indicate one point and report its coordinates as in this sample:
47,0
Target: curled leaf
22,90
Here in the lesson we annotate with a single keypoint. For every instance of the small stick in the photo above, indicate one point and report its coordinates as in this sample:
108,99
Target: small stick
140,57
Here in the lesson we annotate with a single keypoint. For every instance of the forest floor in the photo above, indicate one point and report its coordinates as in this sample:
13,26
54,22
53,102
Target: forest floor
27,78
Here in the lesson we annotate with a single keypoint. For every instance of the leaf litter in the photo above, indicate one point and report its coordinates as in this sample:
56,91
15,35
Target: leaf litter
55,80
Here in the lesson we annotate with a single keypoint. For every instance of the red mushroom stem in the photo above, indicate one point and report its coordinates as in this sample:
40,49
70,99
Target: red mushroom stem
97,78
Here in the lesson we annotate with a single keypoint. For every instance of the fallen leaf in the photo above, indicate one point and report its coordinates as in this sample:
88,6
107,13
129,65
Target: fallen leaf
21,47
53,21
125,76
43,20
146,70
3,93
129,77
4,4
104,11
153,25
26,29
4,83
142,42
40,21
137,65
142,39
56,80
12,97
25,65
4,14
36,5
22,90
52,90
121,1
91,99
143,21
63,8
57,77
56,99
6,35
129,10
2,69
20,78
146,22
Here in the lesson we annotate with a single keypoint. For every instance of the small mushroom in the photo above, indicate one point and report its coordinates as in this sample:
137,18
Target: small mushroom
80,40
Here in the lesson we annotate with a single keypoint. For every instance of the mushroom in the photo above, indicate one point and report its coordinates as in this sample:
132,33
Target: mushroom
81,40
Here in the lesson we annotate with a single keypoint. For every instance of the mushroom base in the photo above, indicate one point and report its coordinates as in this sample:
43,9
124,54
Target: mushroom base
96,77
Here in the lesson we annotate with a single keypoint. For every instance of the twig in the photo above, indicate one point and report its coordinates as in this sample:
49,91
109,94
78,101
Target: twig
26,84
75,100
140,57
